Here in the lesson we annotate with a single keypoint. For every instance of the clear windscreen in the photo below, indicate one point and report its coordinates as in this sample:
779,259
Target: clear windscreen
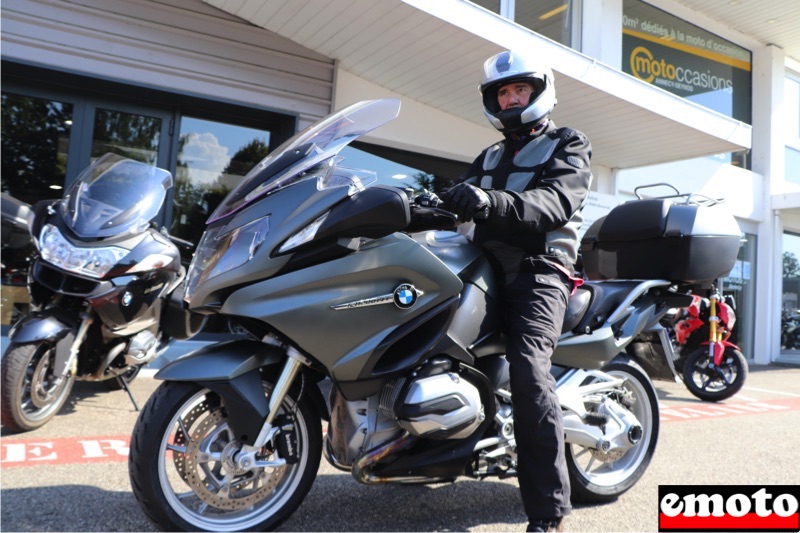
114,195
306,150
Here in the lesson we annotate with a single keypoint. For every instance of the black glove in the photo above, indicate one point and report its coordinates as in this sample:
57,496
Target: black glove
466,201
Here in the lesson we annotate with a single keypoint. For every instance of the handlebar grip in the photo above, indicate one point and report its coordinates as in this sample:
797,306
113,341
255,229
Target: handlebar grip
481,214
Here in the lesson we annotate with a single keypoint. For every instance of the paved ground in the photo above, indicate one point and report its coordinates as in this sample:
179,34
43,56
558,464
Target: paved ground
71,475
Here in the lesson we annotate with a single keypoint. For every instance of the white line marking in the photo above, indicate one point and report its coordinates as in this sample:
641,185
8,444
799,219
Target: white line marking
772,391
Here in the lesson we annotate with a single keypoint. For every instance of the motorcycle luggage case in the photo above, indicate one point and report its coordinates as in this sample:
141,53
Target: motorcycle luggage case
657,238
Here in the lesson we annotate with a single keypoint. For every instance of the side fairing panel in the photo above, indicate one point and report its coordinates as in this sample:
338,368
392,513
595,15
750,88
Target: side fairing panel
301,304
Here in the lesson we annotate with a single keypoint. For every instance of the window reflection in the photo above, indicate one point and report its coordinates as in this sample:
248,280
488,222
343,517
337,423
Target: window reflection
790,304
551,18
212,158
740,283
491,5
35,143
127,134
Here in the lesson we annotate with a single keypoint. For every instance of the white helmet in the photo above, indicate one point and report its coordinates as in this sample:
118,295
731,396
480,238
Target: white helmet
508,67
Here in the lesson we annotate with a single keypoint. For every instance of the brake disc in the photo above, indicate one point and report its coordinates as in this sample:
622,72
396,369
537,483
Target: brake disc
606,457
220,483
41,396
179,459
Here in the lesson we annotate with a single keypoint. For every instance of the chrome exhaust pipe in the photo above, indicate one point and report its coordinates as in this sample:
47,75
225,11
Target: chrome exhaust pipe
361,469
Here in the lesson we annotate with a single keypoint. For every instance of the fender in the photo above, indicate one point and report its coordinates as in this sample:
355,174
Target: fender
50,324
53,324
232,369
718,354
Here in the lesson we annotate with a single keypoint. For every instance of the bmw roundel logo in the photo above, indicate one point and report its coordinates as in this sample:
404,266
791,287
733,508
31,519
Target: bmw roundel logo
405,296
127,298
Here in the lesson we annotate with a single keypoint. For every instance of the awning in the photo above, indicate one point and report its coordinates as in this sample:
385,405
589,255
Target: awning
432,52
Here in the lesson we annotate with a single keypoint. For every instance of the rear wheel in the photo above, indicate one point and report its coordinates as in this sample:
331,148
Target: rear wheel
713,383
183,467
597,476
32,393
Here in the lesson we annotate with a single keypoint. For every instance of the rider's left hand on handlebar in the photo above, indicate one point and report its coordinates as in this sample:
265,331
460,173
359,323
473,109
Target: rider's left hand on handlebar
427,199
467,201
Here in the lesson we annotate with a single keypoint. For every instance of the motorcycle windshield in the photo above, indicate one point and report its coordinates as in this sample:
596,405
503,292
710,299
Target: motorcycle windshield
305,150
114,195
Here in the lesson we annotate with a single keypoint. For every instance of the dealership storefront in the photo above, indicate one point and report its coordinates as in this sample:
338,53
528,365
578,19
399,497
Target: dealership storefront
206,90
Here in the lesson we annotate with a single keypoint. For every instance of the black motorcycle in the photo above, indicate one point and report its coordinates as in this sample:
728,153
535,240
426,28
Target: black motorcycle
101,289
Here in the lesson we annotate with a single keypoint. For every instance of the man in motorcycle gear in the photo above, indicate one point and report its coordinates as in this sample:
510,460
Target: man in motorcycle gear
525,195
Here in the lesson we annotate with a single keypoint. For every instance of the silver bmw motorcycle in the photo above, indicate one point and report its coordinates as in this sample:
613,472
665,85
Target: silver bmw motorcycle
357,288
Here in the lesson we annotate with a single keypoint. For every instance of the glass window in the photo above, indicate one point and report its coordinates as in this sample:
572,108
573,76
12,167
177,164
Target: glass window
127,134
212,158
792,170
35,143
791,101
551,18
491,5
686,60
740,283
790,306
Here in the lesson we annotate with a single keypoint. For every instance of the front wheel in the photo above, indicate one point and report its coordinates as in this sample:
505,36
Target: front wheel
183,471
597,476
32,393
715,383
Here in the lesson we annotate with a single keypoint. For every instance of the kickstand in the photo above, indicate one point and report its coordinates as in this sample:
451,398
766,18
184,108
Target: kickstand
124,383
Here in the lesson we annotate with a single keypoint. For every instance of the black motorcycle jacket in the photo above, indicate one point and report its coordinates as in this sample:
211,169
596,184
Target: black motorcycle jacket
538,186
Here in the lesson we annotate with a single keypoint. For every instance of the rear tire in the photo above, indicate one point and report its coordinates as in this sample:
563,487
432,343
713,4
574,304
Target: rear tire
181,468
30,396
594,478
715,385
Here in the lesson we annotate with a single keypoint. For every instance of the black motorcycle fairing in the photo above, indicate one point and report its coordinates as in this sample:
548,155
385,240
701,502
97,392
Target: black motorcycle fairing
133,299
55,280
373,213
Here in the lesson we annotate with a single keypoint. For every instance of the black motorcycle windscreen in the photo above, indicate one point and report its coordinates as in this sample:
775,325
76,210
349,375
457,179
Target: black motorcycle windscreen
114,195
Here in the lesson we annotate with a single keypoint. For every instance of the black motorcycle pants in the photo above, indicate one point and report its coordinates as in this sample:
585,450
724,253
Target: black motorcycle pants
535,301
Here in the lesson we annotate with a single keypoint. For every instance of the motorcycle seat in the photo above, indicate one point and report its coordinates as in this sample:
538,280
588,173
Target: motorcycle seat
576,309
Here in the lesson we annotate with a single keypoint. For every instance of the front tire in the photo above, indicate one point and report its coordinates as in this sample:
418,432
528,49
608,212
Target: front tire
598,477
715,384
181,469
31,393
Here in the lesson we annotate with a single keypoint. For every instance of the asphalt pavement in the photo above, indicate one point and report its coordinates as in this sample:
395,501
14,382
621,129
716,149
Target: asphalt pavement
71,475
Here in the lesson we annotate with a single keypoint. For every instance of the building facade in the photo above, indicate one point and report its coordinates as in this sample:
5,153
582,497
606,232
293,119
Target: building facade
667,92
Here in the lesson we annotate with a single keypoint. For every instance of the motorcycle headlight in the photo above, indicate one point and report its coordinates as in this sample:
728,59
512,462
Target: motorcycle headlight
92,262
220,252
